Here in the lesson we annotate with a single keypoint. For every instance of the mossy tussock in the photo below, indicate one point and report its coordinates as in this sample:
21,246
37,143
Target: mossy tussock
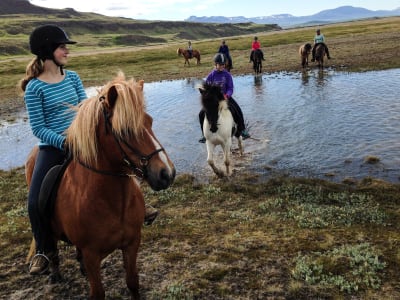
285,238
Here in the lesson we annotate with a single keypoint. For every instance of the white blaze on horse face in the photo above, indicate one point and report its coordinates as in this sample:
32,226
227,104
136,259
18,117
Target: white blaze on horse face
162,154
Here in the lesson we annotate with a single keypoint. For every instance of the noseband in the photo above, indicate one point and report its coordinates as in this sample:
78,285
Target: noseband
140,171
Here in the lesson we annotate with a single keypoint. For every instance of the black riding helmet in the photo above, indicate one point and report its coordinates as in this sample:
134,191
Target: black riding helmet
220,59
45,39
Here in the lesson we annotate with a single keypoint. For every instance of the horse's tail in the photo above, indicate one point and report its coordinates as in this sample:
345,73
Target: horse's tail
178,51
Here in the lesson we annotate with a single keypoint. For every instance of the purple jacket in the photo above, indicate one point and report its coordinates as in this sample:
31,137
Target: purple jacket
223,79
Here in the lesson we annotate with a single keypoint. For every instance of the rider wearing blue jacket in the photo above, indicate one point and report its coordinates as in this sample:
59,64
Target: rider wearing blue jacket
224,49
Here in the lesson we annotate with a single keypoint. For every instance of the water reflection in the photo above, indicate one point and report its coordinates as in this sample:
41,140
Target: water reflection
312,123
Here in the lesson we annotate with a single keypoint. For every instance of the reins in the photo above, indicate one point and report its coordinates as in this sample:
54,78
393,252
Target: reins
140,171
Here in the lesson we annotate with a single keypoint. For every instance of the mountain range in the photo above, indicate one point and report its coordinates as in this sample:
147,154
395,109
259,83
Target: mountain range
340,14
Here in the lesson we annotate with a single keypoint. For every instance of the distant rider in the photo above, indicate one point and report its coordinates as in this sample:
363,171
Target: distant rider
224,49
255,45
190,49
319,39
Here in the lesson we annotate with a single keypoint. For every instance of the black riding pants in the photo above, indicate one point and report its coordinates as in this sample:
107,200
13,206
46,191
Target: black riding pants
237,115
315,46
47,158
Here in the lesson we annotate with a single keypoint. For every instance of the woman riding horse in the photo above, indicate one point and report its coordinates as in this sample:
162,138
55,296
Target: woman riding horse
98,205
223,78
186,55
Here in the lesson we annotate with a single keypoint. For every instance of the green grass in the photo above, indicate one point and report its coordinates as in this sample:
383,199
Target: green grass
355,46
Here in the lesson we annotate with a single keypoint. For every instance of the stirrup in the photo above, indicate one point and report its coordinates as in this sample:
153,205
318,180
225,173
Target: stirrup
150,216
43,266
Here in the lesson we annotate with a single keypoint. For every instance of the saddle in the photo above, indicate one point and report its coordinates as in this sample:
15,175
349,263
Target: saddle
49,188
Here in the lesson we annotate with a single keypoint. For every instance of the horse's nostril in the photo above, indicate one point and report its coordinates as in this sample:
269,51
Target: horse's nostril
166,176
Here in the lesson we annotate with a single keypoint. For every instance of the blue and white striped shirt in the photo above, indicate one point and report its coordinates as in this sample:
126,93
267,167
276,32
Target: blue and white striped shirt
49,107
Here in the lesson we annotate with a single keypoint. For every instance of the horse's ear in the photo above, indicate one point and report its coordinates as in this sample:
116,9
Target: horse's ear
112,95
141,83
202,90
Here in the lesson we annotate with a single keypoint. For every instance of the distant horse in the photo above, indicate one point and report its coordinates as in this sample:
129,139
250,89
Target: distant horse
319,54
186,55
218,126
228,65
304,52
257,61
99,205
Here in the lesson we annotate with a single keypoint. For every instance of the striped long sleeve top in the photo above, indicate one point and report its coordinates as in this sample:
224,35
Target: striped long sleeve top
49,107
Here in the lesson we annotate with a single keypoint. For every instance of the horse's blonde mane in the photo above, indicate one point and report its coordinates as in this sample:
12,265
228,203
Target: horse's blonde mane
127,114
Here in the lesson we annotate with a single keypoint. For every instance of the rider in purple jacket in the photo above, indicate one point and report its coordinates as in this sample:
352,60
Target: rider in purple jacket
220,76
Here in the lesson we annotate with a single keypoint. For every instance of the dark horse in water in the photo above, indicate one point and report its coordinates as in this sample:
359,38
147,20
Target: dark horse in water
304,52
319,55
218,127
186,55
256,57
99,205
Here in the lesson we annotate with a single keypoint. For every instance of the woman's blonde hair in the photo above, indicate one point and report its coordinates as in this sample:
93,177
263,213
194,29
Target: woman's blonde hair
33,70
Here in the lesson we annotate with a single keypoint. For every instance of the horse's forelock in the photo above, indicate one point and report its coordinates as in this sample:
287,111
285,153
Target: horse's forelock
84,126
127,115
129,109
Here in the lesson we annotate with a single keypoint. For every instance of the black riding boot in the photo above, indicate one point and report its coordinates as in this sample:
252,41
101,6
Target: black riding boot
327,52
313,54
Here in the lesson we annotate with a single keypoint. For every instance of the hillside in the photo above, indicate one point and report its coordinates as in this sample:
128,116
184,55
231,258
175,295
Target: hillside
339,14
19,18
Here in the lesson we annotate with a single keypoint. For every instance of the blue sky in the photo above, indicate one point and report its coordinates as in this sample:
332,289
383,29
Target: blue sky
178,10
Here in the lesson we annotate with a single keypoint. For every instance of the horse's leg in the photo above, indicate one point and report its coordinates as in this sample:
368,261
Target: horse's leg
132,277
92,266
79,258
55,275
210,159
227,156
240,143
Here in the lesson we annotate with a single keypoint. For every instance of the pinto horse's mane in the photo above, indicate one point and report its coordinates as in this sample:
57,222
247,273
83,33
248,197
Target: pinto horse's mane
122,101
213,101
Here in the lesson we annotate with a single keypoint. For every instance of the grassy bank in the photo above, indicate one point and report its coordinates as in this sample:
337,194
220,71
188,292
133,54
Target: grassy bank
354,46
280,239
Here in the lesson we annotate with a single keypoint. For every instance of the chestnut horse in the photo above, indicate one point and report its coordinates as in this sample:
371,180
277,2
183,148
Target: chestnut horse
186,55
304,52
218,126
99,205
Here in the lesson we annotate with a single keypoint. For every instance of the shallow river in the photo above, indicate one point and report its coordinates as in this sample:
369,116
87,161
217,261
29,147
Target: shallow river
314,124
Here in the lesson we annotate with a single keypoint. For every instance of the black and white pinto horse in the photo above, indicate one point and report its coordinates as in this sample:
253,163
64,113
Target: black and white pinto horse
218,127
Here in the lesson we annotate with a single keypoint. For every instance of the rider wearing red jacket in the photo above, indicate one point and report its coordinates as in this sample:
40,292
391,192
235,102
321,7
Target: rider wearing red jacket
255,45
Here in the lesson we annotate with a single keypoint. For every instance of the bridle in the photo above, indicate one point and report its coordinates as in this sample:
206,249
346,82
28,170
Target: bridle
140,171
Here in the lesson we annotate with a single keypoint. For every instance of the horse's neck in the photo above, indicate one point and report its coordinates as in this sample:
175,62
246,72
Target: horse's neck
223,104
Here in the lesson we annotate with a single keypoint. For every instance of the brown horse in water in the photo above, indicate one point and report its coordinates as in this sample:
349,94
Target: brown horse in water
186,55
304,52
319,55
256,57
99,205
